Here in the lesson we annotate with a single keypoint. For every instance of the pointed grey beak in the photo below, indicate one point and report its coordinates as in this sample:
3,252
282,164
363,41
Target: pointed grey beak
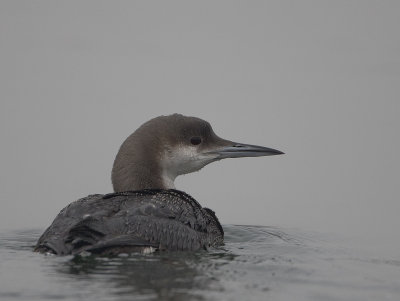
238,150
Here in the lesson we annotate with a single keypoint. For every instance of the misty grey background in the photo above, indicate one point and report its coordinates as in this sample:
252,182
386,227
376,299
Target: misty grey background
318,80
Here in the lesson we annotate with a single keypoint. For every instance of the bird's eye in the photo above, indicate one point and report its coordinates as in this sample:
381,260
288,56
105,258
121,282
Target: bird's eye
195,140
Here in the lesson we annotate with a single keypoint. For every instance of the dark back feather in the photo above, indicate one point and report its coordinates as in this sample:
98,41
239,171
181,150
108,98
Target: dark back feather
132,221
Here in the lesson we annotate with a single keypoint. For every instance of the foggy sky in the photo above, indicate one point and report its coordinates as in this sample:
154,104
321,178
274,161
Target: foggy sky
319,80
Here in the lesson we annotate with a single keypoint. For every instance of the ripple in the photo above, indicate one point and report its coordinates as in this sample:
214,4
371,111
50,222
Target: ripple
256,263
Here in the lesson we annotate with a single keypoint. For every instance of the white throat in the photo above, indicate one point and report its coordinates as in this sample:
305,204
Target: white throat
182,160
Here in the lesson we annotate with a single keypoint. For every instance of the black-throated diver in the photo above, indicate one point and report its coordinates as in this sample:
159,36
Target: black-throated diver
146,212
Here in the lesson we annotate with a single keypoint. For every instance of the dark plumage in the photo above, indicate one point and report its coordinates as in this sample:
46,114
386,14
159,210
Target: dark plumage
132,221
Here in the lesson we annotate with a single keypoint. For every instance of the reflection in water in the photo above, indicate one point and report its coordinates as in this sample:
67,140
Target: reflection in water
177,275
256,263
188,275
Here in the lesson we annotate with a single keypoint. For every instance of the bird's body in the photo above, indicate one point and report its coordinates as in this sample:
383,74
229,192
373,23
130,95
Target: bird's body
146,213
133,221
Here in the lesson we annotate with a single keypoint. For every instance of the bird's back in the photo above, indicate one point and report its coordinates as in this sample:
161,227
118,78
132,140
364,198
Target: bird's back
133,221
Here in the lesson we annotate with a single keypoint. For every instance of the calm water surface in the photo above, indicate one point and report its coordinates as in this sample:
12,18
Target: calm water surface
256,263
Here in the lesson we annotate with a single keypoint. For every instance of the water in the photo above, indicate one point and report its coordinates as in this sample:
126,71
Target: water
256,263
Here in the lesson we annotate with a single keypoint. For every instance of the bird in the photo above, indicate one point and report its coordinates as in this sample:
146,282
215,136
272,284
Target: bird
146,213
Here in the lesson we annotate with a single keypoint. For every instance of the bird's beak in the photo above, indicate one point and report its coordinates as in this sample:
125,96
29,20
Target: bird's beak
238,150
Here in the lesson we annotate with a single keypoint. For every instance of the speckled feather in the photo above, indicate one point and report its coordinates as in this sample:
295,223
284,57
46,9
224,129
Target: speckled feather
132,221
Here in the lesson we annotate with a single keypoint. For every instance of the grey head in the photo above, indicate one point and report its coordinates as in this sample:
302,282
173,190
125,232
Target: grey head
168,146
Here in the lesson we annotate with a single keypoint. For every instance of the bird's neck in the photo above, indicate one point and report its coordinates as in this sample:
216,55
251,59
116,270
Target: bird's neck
137,169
